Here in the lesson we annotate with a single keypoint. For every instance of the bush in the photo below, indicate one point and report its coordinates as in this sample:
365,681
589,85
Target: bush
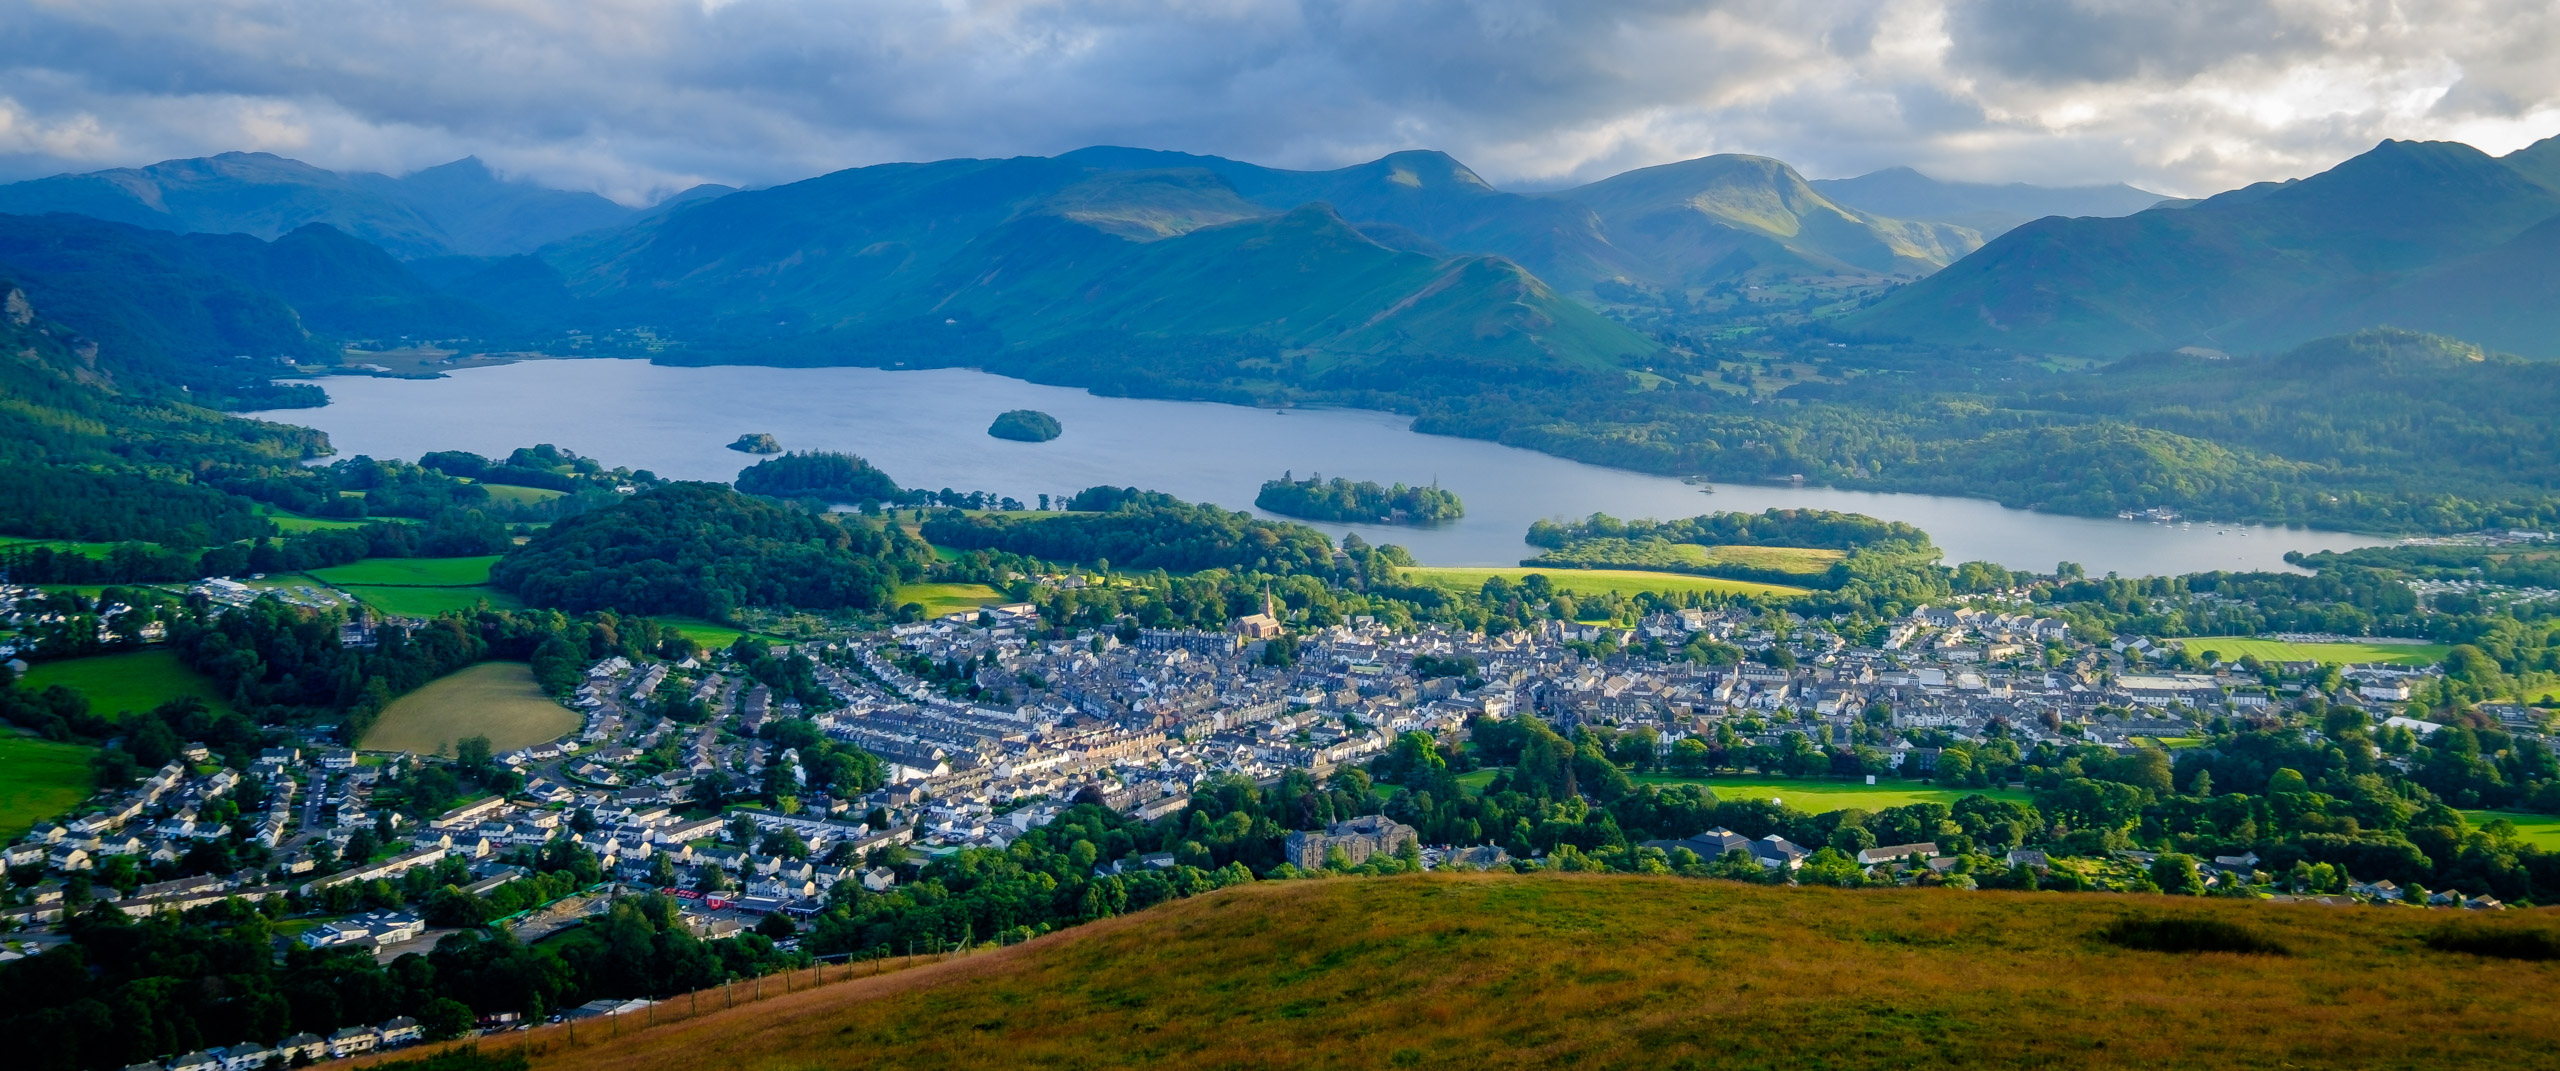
2503,942
2188,934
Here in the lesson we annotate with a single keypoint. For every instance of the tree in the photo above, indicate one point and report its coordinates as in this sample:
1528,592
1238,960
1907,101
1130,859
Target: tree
2176,875
444,1018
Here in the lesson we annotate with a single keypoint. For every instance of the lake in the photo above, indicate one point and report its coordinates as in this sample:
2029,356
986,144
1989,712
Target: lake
928,429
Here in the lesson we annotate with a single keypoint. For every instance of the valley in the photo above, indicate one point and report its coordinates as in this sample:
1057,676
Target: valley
1743,619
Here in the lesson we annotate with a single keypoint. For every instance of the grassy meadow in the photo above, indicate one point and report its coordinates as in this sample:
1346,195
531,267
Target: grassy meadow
1818,797
428,602
1783,559
60,546
1567,970
418,587
39,779
1805,794
2540,830
494,699
1594,581
940,599
513,495
290,522
410,572
135,680
2232,647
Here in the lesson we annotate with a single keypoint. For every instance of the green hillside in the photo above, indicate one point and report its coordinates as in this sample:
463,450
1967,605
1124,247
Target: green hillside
960,261
1475,971
2257,268
456,208
1718,216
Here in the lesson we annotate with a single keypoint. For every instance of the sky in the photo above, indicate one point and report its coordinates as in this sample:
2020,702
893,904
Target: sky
639,98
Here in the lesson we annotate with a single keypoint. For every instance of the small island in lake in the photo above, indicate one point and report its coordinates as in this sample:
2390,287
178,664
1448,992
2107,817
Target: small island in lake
1025,425
757,443
1317,499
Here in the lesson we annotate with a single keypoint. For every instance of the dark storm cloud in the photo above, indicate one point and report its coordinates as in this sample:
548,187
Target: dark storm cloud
636,97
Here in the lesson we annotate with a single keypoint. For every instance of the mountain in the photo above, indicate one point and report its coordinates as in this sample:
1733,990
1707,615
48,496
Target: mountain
63,404
1676,225
459,207
1719,217
481,214
184,306
2262,267
1987,208
1611,971
1038,250
1420,200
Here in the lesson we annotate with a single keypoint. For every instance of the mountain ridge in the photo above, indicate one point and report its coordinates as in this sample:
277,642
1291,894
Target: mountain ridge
2239,269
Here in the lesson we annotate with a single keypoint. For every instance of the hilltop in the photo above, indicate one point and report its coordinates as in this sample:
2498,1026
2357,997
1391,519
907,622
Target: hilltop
2434,236
1506,970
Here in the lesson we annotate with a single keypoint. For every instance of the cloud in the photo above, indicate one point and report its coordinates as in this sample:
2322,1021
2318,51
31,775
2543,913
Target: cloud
636,98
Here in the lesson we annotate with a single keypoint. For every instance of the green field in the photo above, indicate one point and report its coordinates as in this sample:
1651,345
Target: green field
289,521
711,634
1782,559
2539,830
1594,581
1818,797
86,550
1809,796
520,496
139,680
38,780
428,602
494,699
2232,647
410,572
940,599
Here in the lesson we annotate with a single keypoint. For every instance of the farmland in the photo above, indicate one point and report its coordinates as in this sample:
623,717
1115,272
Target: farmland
428,602
1806,794
940,599
138,680
38,780
494,699
2232,647
410,572
1595,581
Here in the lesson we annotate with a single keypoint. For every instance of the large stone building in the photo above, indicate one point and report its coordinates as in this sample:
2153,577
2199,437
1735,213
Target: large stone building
1358,838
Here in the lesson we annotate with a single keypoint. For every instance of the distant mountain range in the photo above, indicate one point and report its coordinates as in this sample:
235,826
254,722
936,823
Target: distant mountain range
2433,236
1991,210
1412,253
460,207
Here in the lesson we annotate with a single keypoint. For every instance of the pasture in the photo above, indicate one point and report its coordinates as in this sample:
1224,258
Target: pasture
290,522
940,599
428,602
2232,647
510,494
135,680
2540,830
39,779
410,572
1594,581
494,699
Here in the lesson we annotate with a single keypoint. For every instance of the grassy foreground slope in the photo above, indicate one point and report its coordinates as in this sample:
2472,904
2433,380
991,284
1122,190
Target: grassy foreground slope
1571,970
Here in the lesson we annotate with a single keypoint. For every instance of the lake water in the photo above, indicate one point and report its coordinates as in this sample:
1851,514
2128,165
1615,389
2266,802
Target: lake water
928,429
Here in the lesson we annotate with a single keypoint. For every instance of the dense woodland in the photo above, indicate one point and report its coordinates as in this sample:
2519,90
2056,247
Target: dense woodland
1140,531
823,475
1365,502
706,550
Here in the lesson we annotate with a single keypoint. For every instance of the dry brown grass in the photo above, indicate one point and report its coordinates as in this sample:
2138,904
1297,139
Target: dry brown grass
1611,971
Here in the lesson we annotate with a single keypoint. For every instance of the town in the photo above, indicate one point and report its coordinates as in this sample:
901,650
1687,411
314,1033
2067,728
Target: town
985,725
